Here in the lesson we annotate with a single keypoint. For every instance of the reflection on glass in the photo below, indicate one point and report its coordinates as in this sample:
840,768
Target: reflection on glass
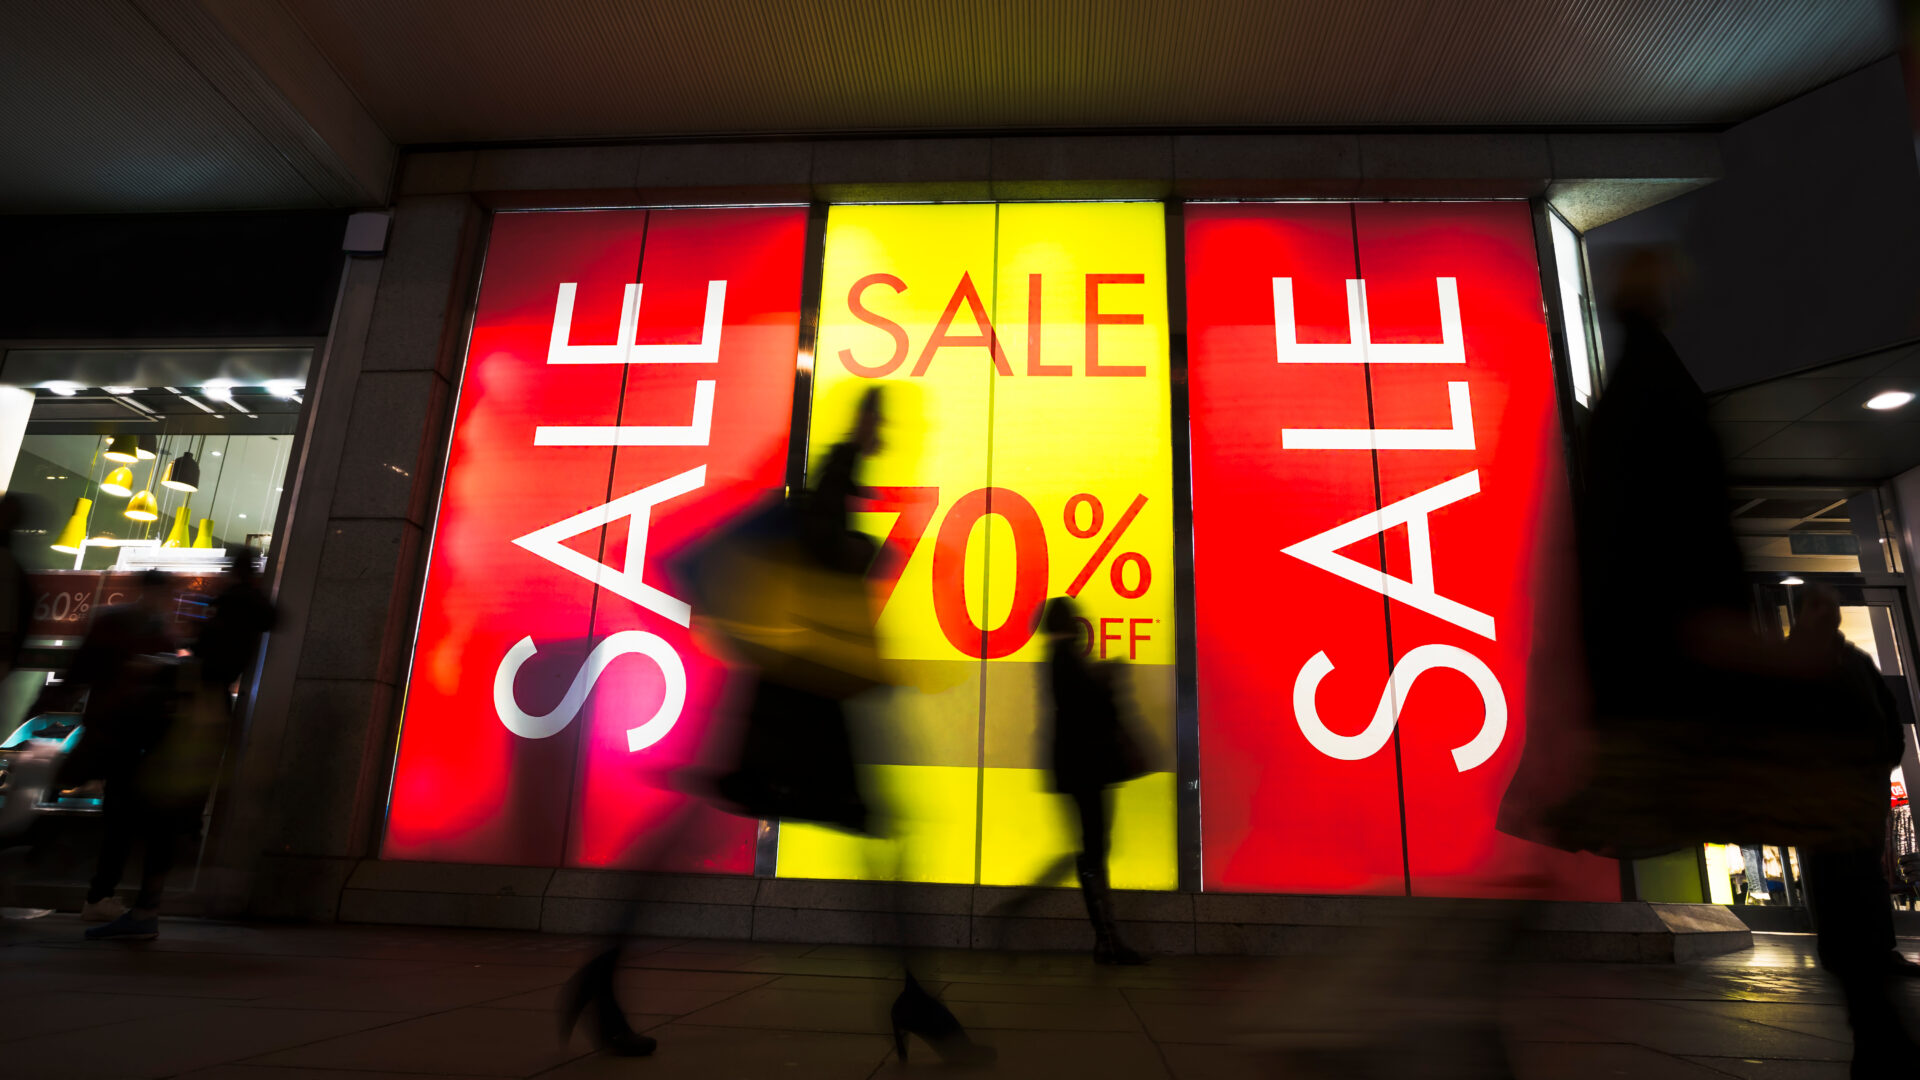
214,453
1798,530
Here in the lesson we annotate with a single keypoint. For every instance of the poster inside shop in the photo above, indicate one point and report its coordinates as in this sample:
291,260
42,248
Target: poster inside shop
1021,351
628,387
1383,574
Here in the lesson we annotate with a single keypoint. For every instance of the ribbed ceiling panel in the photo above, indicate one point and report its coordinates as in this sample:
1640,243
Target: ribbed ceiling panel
102,112
482,70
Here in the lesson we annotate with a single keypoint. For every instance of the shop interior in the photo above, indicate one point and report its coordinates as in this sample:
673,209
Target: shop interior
1844,538
131,476
130,460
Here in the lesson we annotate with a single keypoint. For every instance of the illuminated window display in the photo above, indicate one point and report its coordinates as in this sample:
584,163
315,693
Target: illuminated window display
1027,454
137,459
628,386
1382,561
1381,540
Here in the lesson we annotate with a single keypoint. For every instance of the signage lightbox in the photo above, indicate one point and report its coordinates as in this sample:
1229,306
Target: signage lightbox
628,386
1380,518
1026,454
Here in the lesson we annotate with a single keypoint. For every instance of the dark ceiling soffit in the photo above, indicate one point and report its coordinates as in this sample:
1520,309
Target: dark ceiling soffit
683,139
1812,369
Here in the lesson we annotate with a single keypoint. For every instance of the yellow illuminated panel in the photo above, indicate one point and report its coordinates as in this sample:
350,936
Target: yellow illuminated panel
1029,831
920,845
1083,434
1026,454
891,273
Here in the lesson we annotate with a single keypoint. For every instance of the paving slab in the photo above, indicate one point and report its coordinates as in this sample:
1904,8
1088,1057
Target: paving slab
223,1001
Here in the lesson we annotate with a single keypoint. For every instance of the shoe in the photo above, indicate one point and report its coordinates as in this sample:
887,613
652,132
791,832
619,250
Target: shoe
592,988
916,1012
105,910
128,927
1106,950
1107,946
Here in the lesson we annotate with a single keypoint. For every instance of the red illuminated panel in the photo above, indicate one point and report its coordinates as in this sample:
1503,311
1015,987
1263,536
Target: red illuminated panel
625,368
624,815
1405,421
1276,814
465,788
1491,549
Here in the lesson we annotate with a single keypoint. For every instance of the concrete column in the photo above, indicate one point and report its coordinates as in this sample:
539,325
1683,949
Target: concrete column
319,748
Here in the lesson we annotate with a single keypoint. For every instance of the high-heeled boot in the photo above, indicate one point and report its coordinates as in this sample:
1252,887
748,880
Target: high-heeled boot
591,988
916,1012
1107,946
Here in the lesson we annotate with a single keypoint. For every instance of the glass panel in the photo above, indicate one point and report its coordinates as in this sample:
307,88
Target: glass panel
1570,264
187,455
1794,530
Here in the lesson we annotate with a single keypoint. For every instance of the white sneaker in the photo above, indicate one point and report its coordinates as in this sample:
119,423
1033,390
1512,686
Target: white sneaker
105,910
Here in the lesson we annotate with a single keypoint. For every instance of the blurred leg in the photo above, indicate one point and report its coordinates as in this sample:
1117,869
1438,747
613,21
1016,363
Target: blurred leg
1847,897
120,816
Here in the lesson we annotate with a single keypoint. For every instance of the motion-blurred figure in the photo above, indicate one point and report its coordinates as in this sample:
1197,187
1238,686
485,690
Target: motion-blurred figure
16,598
1846,882
787,588
1090,751
1682,678
240,616
1694,709
121,663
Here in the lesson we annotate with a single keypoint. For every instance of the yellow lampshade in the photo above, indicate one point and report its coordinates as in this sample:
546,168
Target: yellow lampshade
205,538
118,482
75,533
143,507
123,448
180,536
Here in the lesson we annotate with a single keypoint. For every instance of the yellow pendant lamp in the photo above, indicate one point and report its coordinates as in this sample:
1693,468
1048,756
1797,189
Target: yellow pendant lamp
75,533
143,507
205,538
124,448
180,536
118,482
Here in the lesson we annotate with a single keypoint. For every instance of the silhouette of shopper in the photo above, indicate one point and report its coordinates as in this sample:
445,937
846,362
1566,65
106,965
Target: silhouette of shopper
788,589
1846,882
120,663
1090,750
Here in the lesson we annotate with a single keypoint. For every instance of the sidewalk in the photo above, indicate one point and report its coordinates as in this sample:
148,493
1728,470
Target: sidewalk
264,1002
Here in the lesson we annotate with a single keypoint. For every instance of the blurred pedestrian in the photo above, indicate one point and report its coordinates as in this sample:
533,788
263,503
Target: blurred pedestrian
121,662
1694,708
1680,676
787,588
239,616
1090,750
16,595
1847,890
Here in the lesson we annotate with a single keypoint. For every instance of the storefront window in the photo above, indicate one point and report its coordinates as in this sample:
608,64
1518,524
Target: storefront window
138,459
1796,530
1788,535
1570,265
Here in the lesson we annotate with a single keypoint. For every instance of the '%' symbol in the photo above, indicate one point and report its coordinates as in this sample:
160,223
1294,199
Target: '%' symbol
1097,515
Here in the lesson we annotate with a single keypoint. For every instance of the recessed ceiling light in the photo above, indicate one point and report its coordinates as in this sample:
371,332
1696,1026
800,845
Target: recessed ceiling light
122,390
243,515
216,453
283,388
64,389
1791,580
1889,399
